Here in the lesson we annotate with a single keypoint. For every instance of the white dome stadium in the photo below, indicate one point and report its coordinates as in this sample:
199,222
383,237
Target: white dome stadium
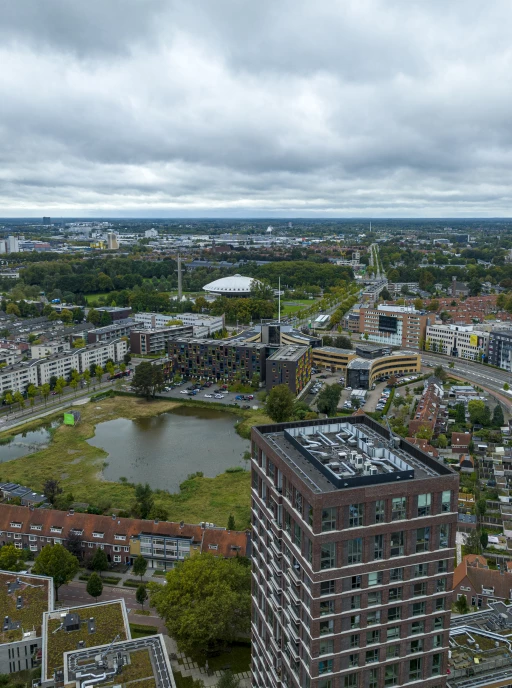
235,285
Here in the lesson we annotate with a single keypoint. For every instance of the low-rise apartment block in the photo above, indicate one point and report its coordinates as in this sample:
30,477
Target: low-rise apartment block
289,365
23,600
148,341
120,328
161,543
500,349
49,349
401,326
204,325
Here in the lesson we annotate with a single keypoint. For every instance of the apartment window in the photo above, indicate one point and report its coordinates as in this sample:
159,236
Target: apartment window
328,519
436,664
422,540
325,666
440,604
326,647
327,587
396,575
355,602
397,544
351,681
326,627
391,675
415,666
271,469
372,637
438,622
392,632
355,551
119,537
17,536
398,505
297,535
416,645
394,613
424,504
355,582
437,641
373,618
354,640
380,511
353,660
420,570
98,535
375,578
15,524
395,594
355,621
355,515
378,547
418,608
373,678
298,501
55,529
392,651
441,585
326,683
374,597
326,607
446,500
444,535
442,566
328,555
36,527
419,589
32,538
372,656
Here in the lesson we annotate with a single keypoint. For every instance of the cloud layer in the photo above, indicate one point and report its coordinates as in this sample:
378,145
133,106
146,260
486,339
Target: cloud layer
162,108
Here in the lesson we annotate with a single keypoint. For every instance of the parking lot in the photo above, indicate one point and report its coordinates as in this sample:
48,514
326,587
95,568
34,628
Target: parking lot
208,395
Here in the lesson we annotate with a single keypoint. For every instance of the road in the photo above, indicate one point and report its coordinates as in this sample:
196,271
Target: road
481,375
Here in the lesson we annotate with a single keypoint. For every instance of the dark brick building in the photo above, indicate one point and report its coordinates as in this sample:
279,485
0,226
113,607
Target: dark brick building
353,549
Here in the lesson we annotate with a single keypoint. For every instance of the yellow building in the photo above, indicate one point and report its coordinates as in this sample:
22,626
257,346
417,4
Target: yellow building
332,357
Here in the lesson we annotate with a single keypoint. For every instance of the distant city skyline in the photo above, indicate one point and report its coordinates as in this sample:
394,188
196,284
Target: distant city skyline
361,109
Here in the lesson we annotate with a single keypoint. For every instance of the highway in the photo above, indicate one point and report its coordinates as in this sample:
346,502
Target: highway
481,375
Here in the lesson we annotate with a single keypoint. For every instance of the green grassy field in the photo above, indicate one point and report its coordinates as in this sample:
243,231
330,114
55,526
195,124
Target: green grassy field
92,299
78,465
290,307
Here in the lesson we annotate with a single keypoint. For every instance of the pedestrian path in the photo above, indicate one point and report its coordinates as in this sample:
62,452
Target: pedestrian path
188,668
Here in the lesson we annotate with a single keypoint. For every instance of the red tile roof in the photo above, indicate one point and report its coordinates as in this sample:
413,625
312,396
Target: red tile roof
110,527
461,439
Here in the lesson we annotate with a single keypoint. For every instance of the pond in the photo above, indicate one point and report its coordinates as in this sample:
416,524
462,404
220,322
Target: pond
25,443
163,450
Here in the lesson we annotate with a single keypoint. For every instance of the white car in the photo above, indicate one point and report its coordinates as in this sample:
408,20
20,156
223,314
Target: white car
209,396
219,396
183,391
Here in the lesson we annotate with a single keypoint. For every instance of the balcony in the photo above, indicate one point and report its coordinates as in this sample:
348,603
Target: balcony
294,574
275,546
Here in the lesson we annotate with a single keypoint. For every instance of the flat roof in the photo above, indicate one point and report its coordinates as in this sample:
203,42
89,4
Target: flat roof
94,624
289,352
355,451
141,663
23,600
335,350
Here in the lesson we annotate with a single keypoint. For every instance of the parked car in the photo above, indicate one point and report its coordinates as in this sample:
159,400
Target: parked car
219,396
209,396
239,397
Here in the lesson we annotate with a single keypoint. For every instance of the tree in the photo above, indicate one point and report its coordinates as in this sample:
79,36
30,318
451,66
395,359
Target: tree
484,539
472,545
94,585
93,316
424,432
460,413
66,316
127,358
206,602
140,566
343,342
144,500
477,412
147,379
280,403
51,490
481,506
497,416
74,543
228,680
11,558
12,309
98,372
87,377
440,373
141,595
442,441
99,561
19,399
231,522
45,391
506,386
461,605
79,343
385,295
328,399
55,561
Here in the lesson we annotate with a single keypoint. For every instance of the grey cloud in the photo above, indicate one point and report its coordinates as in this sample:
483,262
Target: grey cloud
353,108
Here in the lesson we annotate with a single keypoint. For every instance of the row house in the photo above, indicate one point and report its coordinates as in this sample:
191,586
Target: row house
161,543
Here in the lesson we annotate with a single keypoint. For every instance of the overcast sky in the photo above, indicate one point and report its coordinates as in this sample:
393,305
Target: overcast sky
284,108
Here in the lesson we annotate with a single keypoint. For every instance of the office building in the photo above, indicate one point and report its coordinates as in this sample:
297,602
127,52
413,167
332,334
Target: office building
112,242
332,357
289,365
363,373
13,244
353,547
462,341
402,326
116,312
155,341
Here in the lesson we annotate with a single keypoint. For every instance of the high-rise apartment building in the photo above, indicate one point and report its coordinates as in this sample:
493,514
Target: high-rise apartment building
353,548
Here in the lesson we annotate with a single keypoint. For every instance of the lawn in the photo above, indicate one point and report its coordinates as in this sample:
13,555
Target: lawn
78,465
291,307
35,602
92,299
